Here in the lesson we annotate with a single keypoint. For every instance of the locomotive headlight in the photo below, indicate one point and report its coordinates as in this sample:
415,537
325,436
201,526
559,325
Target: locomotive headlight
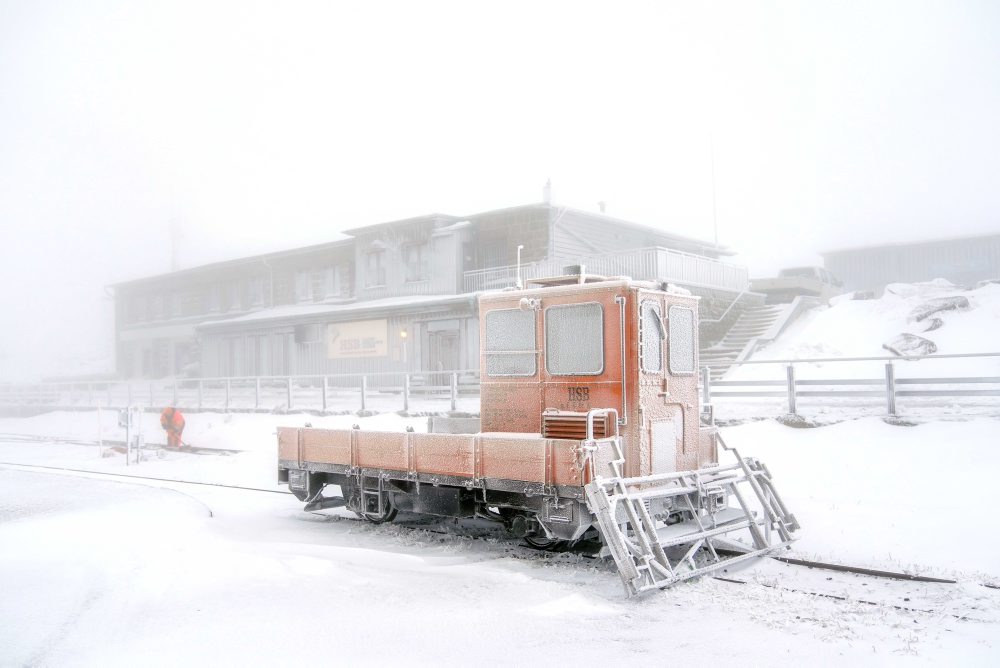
296,479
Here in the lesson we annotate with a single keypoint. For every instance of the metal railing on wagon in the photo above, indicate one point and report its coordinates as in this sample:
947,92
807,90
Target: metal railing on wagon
930,385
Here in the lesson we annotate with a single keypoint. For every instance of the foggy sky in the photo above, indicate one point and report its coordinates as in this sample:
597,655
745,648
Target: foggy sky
261,126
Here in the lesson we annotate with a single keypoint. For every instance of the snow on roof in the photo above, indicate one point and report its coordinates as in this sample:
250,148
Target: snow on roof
298,311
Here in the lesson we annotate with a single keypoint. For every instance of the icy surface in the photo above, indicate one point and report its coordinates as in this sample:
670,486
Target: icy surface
96,572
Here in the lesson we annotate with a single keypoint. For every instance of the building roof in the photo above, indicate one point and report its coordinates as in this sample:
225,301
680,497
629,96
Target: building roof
237,262
430,217
447,220
906,244
297,312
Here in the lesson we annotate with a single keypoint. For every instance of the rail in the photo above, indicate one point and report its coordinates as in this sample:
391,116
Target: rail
890,386
644,264
853,385
378,392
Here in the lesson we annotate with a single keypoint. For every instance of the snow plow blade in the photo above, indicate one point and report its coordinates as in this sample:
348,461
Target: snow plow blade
664,529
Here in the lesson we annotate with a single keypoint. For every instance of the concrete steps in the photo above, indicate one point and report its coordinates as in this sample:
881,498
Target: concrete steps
751,324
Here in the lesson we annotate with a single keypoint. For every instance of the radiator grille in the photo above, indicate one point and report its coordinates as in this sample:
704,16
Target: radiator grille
572,426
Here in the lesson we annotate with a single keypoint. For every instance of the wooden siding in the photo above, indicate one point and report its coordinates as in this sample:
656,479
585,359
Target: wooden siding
271,349
576,233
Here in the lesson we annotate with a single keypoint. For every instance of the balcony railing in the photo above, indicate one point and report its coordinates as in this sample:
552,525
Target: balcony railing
642,264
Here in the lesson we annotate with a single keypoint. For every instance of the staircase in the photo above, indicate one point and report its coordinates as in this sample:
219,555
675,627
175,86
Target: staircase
751,324
650,556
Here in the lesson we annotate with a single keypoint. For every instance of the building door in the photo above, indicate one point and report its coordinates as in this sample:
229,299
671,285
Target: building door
442,351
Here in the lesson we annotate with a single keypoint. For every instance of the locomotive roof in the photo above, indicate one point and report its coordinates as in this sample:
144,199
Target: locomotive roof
570,284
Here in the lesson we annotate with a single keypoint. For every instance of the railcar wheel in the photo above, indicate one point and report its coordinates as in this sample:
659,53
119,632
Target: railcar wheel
547,544
387,516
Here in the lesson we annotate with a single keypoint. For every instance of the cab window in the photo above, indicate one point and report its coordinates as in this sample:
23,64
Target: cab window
574,339
682,338
651,337
510,343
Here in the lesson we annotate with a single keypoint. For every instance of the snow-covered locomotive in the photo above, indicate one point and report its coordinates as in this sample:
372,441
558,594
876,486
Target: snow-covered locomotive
591,422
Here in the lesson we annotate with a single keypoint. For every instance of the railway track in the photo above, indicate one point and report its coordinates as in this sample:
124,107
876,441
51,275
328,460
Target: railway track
856,578
115,444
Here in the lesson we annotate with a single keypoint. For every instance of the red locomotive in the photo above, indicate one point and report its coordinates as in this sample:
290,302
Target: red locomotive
590,423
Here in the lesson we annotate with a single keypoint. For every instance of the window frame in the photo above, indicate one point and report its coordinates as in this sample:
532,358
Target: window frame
534,352
415,270
693,340
655,305
546,346
375,275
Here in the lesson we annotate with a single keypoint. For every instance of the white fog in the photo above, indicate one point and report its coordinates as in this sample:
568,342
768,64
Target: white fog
262,127
340,333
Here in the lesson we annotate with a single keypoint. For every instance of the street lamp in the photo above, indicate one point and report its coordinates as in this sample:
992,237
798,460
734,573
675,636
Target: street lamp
402,336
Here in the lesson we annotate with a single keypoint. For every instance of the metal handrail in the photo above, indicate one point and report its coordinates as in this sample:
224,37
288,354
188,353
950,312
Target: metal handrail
726,312
893,358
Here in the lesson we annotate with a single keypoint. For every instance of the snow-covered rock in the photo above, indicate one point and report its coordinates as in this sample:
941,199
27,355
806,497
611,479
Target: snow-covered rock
910,345
932,306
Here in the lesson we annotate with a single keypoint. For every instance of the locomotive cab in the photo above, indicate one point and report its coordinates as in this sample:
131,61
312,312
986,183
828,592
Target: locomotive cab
552,353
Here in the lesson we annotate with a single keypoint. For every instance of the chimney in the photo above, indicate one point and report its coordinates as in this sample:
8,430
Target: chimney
601,205
547,192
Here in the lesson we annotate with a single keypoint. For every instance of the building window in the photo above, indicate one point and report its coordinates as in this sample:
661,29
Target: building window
375,268
255,291
303,286
233,296
681,320
415,262
651,337
158,307
510,343
213,299
175,304
305,334
574,339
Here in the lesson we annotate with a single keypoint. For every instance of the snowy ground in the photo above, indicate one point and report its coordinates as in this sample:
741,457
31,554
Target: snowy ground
103,571
858,328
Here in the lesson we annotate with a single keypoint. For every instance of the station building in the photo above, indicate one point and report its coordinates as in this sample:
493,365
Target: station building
399,296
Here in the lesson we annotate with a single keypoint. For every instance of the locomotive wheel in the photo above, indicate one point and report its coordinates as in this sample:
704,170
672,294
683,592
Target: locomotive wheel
389,515
547,544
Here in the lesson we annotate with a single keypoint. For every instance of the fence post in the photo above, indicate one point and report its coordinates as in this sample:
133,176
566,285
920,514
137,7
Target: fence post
201,393
890,388
288,392
364,390
406,391
790,371
228,388
454,391
256,393
325,383
706,385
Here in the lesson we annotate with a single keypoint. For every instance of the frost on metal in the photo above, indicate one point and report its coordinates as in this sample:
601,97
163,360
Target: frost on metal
681,339
510,343
652,337
574,339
